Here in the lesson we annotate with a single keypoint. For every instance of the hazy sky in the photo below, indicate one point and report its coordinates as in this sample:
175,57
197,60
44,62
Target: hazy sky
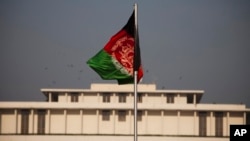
185,44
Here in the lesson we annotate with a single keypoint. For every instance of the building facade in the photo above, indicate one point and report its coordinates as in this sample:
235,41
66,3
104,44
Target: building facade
105,112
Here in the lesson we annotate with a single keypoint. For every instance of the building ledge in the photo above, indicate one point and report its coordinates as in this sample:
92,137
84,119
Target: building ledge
123,106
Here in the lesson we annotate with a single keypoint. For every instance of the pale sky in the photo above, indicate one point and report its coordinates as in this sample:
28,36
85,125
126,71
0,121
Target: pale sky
185,44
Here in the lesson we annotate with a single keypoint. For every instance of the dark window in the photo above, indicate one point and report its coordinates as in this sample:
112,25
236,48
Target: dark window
25,121
190,98
170,98
218,124
54,97
106,97
106,115
139,115
139,98
122,115
122,97
74,97
41,121
202,123
248,118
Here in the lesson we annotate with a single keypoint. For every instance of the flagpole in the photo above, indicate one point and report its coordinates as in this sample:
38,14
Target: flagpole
135,79
135,106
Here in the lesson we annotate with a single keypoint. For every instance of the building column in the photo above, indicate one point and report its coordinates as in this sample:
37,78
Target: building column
194,102
98,114
162,122
81,118
32,121
211,124
0,121
16,120
130,98
49,120
82,97
66,97
195,123
227,123
163,101
178,99
98,98
146,98
244,118
146,121
178,121
113,115
113,98
130,121
50,97
65,119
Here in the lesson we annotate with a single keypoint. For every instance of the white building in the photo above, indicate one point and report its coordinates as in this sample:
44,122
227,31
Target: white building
105,112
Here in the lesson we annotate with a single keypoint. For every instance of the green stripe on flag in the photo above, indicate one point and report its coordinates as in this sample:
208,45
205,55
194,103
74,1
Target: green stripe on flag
108,68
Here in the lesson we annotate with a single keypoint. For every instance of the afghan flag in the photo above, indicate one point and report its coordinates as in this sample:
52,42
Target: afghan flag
120,57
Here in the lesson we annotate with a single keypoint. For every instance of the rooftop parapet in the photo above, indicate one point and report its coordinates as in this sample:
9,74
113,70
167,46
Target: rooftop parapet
116,87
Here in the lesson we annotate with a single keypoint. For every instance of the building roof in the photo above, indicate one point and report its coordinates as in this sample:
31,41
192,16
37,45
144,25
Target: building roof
128,88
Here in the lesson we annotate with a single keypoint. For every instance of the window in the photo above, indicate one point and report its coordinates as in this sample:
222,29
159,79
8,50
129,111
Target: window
74,97
41,121
122,115
248,118
139,115
25,121
170,98
202,123
218,124
106,97
105,115
122,97
54,98
139,98
190,99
